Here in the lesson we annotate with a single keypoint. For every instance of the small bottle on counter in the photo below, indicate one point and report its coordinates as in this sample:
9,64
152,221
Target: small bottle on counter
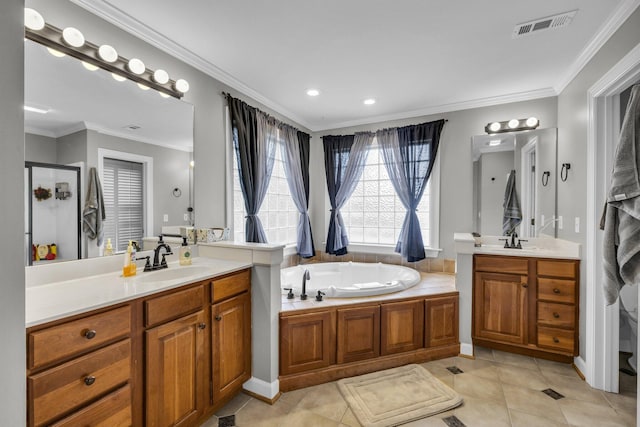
185,253
108,250
129,267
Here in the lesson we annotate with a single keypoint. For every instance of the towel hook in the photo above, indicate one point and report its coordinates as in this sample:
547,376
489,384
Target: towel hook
545,178
564,173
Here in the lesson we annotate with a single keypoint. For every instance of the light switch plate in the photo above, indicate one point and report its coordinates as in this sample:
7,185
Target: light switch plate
560,222
186,217
577,224
165,218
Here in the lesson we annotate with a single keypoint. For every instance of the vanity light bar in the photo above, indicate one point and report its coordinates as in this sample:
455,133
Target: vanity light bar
512,125
52,37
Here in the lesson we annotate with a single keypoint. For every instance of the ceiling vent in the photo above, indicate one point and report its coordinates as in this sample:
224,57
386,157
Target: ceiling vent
542,24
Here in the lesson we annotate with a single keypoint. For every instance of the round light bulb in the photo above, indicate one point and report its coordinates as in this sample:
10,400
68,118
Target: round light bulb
107,53
181,85
88,66
33,20
56,53
161,76
369,101
494,127
73,37
136,66
513,123
164,95
532,121
192,164
143,87
118,77
313,92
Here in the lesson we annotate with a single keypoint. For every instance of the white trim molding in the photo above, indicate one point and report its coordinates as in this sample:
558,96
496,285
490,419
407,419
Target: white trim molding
600,364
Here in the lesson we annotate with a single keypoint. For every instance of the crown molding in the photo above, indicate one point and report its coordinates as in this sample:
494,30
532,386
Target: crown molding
444,108
615,21
38,131
120,19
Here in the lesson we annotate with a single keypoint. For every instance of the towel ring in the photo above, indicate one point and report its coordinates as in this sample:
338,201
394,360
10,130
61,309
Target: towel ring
177,192
564,173
545,178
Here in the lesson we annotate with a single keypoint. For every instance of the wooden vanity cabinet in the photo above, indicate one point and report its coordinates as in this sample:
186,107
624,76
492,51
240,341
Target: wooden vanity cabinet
526,305
402,326
358,333
307,341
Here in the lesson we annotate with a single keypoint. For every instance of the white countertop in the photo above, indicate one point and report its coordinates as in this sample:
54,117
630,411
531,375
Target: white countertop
537,247
53,301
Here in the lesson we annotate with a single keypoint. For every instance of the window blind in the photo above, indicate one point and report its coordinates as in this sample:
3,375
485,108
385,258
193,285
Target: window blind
123,192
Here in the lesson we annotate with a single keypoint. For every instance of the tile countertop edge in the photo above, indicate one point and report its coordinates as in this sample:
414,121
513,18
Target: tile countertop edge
38,297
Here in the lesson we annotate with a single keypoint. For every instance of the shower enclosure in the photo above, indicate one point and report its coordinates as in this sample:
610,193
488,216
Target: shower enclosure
52,213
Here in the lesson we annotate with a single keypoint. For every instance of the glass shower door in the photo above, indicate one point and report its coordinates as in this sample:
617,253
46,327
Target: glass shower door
52,207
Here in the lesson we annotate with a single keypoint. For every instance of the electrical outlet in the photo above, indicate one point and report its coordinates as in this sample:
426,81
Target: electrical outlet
577,225
165,218
560,222
186,217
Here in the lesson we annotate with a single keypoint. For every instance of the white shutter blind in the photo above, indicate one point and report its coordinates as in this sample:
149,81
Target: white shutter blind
124,202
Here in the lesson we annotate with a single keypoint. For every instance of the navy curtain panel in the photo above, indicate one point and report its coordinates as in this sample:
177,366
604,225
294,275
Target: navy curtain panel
305,149
409,153
251,171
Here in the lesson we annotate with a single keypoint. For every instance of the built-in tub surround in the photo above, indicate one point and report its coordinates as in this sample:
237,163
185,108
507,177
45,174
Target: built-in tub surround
348,279
540,247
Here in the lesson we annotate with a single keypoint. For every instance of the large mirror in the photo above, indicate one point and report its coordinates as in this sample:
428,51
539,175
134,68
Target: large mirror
140,143
532,157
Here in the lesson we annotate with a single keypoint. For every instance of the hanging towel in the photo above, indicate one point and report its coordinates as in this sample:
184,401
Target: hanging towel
93,215
512,215
621,240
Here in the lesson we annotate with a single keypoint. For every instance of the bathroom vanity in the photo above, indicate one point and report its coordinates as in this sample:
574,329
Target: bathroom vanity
171,353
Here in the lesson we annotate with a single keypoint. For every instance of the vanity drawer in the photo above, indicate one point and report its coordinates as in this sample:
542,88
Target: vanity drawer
502,264
113,410
566,269
60,342
72,384
168,307
230,285
557,314
558,339
557,290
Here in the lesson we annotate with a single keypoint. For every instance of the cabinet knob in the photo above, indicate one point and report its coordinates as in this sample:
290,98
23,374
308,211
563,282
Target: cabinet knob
556,290
89,334
524,285
556,340
218,317
89,380
202,325
556,315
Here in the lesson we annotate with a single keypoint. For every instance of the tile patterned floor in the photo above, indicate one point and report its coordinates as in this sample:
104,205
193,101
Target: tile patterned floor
499,389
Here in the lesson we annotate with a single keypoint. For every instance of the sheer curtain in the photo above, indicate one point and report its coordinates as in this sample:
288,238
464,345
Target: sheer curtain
254,141
295,154
409,153
344,159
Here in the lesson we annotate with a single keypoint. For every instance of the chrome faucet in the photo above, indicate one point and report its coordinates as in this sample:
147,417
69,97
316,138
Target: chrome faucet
305,276
157,264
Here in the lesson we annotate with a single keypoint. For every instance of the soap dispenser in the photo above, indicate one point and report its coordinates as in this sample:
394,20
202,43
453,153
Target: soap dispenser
185,253
108,250
129,267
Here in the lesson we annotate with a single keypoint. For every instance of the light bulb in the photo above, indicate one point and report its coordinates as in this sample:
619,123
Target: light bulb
136,66
88,66
513,123
369,101
164,95
118,77
532,121
73,37
107,53
56,53
313,92
161,76
33,20
181,85
143,87
192,164
494,127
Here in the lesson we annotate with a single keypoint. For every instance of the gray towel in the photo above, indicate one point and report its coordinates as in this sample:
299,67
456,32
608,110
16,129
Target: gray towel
93,215
512,215
621,240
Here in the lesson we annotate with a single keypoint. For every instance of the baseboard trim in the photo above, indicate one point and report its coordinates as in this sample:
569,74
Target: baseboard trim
262,398
466,350
267,391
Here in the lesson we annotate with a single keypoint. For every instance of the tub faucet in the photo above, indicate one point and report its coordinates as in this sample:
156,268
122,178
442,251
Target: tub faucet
305,276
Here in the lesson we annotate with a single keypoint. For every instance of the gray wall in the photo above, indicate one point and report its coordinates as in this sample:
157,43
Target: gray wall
456,182
572,138
12,357
38,148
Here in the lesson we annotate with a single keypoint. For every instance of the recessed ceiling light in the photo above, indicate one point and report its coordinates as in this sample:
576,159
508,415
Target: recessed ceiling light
369,101
313,92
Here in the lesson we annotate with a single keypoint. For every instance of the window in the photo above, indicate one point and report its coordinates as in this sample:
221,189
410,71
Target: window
123,189
374,214
278,214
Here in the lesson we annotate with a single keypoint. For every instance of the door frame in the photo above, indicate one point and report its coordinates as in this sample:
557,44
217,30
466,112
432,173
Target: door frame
528,181
600,365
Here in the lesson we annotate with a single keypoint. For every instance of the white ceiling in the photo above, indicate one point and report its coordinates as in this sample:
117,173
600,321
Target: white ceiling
414,56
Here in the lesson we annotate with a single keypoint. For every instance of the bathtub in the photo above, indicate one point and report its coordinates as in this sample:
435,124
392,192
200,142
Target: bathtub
349,279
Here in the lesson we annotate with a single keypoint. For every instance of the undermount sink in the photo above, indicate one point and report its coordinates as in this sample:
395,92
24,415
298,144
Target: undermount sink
172,273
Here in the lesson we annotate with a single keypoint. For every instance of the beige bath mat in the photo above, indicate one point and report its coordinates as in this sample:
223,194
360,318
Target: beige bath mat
397,396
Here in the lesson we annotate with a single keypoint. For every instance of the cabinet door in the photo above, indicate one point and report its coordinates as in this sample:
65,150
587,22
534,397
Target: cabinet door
231,344
402,327
500,307
307,341
175,371
358,334
441,321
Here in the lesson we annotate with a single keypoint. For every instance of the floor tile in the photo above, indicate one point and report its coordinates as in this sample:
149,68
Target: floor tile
468,384
533,402
259,414
234,405
620,402
488,373
575,388
515,359
465,364
476,412
579,413
551,368
325,400
307,418
518,376
483,353
522,419
348,419
211,422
